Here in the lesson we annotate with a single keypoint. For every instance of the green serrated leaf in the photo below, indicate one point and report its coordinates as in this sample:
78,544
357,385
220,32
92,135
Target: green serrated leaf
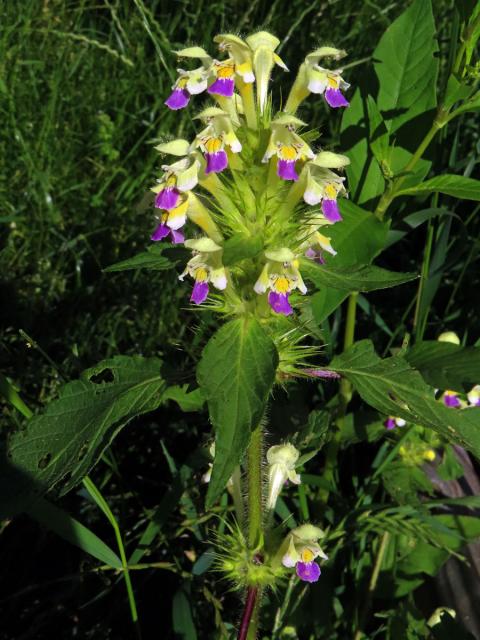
150,259
236,374
445,365
451,185
394,388
407,66
362,278
58,447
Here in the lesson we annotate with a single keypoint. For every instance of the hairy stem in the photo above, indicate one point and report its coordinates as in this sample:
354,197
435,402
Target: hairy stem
255,488
237,495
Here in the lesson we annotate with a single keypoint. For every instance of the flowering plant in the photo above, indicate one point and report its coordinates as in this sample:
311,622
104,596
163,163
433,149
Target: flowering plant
326,463
259,199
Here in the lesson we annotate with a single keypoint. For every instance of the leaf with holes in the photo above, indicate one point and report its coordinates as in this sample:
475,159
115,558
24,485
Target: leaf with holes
394,388
58,447
236,374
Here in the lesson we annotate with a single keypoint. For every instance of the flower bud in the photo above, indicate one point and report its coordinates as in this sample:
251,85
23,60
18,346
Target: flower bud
281,460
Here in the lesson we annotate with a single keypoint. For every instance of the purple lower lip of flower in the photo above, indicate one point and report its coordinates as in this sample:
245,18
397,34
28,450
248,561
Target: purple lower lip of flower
279,303
316,256
308,571
167,198
451,401
322,373
178,99
199,292
222,87
286,170
335,98
177,236
330,210
216,162
389,423
160,232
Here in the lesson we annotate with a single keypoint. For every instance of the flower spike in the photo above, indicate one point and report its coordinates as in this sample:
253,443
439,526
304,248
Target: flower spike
254,173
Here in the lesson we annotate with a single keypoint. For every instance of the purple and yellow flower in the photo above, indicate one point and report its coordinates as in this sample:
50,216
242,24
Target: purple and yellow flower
451,399
330,84
170,222
392,422
219,126
312,78
288,146
167,198
473,396
241,54
317,244
281,459
287,157
179,177
224,83
280,276
303,549
205,267
215,155
324,186
188,83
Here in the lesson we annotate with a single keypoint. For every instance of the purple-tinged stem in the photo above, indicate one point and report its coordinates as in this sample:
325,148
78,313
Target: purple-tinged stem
250,602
